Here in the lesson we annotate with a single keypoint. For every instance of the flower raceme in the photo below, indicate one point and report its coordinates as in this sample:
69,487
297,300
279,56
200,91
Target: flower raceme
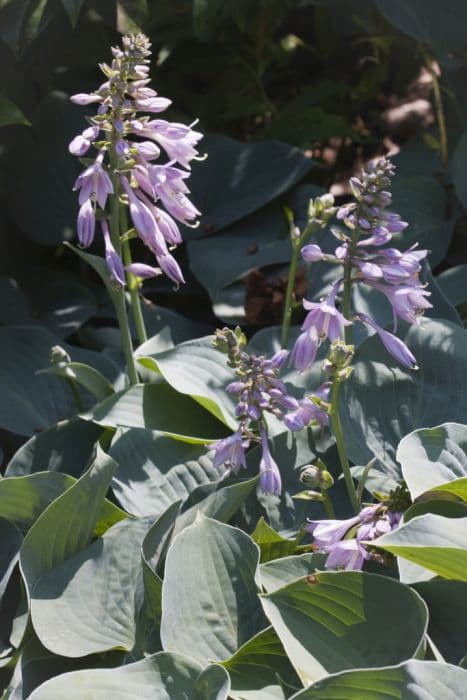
127,142
392,272
258,391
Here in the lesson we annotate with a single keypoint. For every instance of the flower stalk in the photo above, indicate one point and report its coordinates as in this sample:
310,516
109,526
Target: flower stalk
334,419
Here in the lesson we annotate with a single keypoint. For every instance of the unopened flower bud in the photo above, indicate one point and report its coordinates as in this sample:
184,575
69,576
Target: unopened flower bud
58,356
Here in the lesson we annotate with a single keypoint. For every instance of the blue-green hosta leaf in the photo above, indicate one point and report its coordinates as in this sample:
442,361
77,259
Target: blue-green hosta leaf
453,283
154,470
432,456
333,621
421,201
106,575
85,375
11,114
432,541
270,543
428,22
412,680
238,179
163,676
24,498
210,604
382,402
48,171
73,7
279,572
218,500
447,625
30,402
152,551
66,447
158,407
259,667
11,539
199,370
68,524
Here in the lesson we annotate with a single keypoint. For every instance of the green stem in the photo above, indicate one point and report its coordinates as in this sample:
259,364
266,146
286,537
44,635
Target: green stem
328,507
339,437
288,307
119,294
440,118
75,392
132,283
297,244
346,299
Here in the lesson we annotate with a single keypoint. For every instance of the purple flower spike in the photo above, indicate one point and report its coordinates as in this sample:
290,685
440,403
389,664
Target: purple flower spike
270,476
86,224
125,102
112,258
142,270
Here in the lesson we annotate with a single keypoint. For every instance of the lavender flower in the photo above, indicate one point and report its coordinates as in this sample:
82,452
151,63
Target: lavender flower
394,345
323,321
345,541
270,476
310,409
231,451
128,142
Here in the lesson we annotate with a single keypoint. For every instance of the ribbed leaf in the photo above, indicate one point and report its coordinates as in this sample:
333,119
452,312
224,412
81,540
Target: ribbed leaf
163,676
209,600
413,680
436,543
332,621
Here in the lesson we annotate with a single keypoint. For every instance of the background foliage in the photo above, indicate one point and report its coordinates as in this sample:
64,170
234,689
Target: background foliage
293,95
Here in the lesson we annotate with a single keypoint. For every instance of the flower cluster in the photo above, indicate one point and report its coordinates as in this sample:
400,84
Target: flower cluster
392,272
258,390
127,144
345,541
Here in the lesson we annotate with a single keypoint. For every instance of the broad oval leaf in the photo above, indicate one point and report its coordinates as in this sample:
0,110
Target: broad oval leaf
432,541
412,680
382,402
197,369
447,626
432,456
163,676
66,447
429,22
210,604
259,668
87,603
158,407
25,350
156,470
332,621
69,522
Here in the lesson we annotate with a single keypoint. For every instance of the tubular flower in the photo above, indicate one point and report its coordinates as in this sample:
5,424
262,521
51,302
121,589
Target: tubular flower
344,541
128,141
